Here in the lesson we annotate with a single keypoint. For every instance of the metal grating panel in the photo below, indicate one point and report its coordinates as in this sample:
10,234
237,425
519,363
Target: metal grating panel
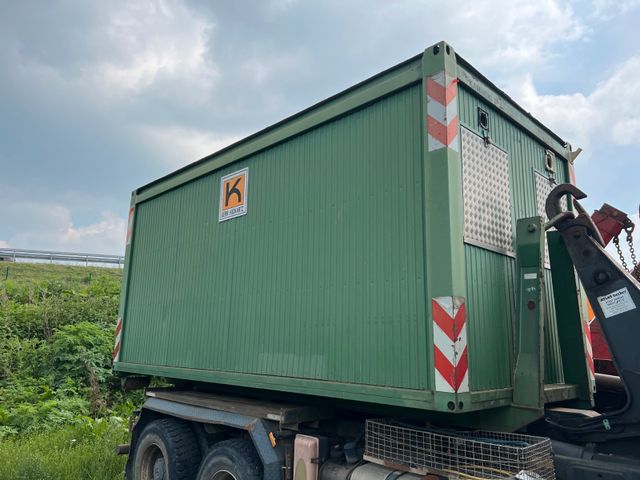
458,454
486,194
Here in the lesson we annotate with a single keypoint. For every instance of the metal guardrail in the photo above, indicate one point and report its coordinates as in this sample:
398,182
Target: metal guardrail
14,254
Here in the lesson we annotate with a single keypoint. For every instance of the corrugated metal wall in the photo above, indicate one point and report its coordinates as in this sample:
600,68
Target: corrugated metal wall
491,279
324,276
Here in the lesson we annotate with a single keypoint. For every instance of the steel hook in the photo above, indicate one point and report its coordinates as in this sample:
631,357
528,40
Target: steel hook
562,219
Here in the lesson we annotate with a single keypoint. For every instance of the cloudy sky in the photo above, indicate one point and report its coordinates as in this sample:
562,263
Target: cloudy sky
98,98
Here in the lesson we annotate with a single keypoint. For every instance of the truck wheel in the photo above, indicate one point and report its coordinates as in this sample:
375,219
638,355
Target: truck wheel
167,450
234,459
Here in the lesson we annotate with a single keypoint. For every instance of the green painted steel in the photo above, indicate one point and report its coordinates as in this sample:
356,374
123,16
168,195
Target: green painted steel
353,226
444,225
528,381
322,279
492,308
495,307
569,307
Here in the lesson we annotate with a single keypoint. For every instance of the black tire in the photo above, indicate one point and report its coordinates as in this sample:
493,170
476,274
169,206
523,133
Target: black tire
167,449
234,459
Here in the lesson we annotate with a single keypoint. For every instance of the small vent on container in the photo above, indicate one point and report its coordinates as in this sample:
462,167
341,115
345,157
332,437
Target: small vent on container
483,119
550,161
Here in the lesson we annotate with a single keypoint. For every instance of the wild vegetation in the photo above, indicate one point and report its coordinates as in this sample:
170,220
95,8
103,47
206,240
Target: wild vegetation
62,410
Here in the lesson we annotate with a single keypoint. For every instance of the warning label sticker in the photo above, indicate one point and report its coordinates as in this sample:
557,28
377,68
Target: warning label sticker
616,303
233,195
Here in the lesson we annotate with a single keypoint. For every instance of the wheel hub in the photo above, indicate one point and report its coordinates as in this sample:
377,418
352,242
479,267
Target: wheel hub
158,469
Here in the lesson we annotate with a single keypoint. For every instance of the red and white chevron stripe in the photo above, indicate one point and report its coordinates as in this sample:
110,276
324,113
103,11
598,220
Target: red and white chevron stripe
572,174
116,348
442,112
592,367
130,225
450,344
588,342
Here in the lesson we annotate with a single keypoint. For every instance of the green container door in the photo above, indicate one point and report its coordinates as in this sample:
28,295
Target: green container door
491,275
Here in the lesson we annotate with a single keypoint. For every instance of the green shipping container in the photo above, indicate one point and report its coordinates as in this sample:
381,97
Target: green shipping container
363,249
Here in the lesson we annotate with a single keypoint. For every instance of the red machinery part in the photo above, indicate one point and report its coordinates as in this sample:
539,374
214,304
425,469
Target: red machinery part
610,222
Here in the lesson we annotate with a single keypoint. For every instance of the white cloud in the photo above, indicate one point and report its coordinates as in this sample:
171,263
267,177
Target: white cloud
279,6
50,227
135,46
108,234
570,116
503,35
3,244
524,30
607,9
154,39
627,131
265,66
609,114
177,146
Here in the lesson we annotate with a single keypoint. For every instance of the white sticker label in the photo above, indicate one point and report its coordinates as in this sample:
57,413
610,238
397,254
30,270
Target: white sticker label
616,303
530,276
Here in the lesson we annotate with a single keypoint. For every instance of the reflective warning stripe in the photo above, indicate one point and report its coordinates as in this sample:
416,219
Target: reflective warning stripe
572,174
592,367
450,344
116,347
442,112
130,226
588,341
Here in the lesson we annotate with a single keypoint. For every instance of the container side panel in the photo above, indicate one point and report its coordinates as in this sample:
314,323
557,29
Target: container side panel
323,278
526,156
490,308
150,293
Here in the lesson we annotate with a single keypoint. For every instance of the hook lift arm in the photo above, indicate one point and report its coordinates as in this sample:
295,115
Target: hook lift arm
615,298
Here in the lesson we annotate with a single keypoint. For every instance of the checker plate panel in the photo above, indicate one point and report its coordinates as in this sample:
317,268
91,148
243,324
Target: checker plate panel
488,212
544,186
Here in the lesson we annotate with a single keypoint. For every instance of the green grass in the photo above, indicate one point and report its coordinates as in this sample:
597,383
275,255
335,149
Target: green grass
66,454
32,273
62,411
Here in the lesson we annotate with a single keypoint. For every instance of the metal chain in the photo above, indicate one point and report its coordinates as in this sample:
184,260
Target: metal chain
632,252
631,249
616,242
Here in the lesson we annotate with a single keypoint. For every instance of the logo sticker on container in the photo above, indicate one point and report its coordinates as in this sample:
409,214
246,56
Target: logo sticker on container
233,195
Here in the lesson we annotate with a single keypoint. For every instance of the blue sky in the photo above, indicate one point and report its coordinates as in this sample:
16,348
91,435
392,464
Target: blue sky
99,98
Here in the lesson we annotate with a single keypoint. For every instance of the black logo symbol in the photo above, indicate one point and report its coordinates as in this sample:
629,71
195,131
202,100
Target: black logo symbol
232,191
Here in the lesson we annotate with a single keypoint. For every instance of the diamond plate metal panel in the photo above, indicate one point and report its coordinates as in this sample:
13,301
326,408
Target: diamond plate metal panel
486,194
544,185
